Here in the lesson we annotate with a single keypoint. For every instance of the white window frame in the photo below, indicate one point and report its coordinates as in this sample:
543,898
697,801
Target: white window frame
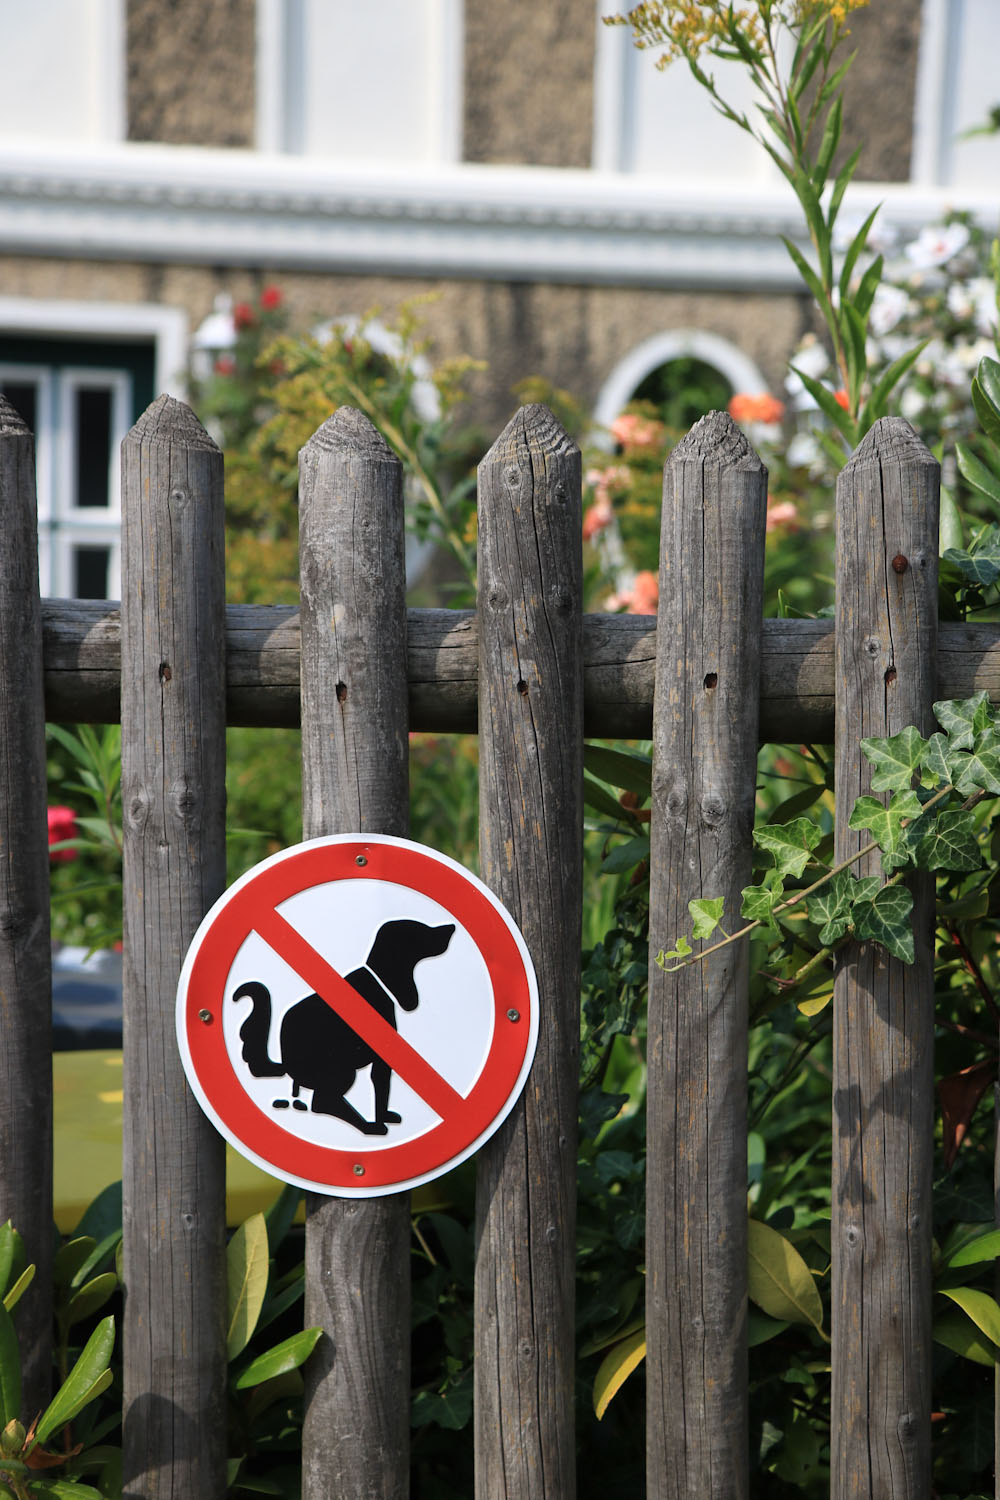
275,20
109,80
678,343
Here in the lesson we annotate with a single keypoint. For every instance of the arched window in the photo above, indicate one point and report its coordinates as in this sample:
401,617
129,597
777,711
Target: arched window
678,370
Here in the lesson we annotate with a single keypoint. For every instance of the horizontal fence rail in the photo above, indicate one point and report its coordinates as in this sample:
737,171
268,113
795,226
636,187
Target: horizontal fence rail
81,642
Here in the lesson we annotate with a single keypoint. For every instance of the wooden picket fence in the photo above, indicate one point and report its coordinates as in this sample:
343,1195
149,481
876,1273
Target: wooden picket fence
707,682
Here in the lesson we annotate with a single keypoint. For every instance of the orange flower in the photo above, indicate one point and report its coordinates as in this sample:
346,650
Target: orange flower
782,513
841,397
635,431
641,599
761,408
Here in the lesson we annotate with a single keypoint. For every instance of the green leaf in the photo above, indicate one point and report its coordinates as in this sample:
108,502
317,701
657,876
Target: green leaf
247,1271
854,249
760,1328
986,411
935,759
10,1370
288,1355
977,770
615,1368
950,533
7,1243
601,800
883,388
978,475
830,908
895,759
706,914
759,903
886,824
963,719
828,144
91,1297
626,856
780,1282
789,844
70,1257
19,1288
980,569
828,404
949,844
800,802
682,951
87,1379
985,1246
885,919
979,1306
65,1489
621,768
988,376
958,1335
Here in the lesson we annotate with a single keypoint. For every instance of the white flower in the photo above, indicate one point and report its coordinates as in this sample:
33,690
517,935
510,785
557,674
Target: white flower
889,305
812,360
911,403
936,244
976,300
804,451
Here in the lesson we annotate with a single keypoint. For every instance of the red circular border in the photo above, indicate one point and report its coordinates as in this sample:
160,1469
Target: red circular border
320,864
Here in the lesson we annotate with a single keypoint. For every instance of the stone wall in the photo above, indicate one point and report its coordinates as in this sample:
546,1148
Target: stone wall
190,71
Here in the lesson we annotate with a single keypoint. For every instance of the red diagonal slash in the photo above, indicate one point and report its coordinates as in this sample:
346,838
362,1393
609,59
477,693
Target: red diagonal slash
383,1039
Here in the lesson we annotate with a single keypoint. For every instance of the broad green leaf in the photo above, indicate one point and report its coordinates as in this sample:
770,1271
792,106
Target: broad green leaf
87,1379
621,768
981,568
789,844
706,914
601,800
615,1368
886,824
66,1489
885,919
70,1257
884,387
799,802
813,1004
935,758
895,759
288,1355
988,376
959,1335
760,1328
977,770
950,843
986,411
950,532
626,856
682,951
759,903
247,1271
962,719
10,1370
19,1288
780,1282
830,908
978,475
979,1306
985,1246
91,1297
6,1254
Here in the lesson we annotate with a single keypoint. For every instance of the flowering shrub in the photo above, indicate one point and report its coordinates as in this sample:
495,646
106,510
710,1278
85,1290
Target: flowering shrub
62,826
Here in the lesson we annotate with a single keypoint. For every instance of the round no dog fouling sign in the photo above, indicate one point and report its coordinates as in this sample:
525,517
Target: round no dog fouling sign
357,1014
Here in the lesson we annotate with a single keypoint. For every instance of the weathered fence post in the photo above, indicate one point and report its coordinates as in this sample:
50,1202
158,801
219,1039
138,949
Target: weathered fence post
173,808
25,962
355,778
883,1084
705,719
531,832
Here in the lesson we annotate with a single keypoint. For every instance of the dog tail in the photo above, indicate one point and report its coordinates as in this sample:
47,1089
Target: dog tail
253,1032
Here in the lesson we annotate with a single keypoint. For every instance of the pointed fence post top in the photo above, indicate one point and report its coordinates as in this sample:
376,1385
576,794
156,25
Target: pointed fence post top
715,438
168,420
350,431
893,439
11,421
535,428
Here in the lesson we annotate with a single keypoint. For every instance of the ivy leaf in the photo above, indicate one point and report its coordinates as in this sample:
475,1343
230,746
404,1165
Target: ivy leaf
830,908
963,719
935,758
759,903
896,759
979,770
706,915
682,951
950,843
886,824
981,569
886,919
789,844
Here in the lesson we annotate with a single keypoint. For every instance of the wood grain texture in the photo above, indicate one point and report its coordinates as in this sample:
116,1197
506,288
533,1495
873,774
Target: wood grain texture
531,818
883,1099
82,654
25,964
173,799
355,1442
704,725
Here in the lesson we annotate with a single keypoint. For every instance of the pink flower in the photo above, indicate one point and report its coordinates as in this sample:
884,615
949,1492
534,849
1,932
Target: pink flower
271,298
598,516
635,431
641,599
781,514
62,825
761,408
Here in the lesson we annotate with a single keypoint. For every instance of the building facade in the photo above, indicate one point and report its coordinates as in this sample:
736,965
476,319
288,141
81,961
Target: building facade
579,215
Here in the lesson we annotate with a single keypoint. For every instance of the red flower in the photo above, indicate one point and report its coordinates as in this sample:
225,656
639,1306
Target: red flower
62,825
243,315
270,298
225,365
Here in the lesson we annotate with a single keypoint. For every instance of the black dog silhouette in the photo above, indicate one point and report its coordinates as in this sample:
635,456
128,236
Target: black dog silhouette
319,1051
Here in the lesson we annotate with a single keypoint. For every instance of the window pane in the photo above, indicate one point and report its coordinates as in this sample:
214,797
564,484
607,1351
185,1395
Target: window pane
90,572
23,396
93,449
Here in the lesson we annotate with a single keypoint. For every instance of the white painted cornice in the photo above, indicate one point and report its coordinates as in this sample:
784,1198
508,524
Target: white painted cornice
158,203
